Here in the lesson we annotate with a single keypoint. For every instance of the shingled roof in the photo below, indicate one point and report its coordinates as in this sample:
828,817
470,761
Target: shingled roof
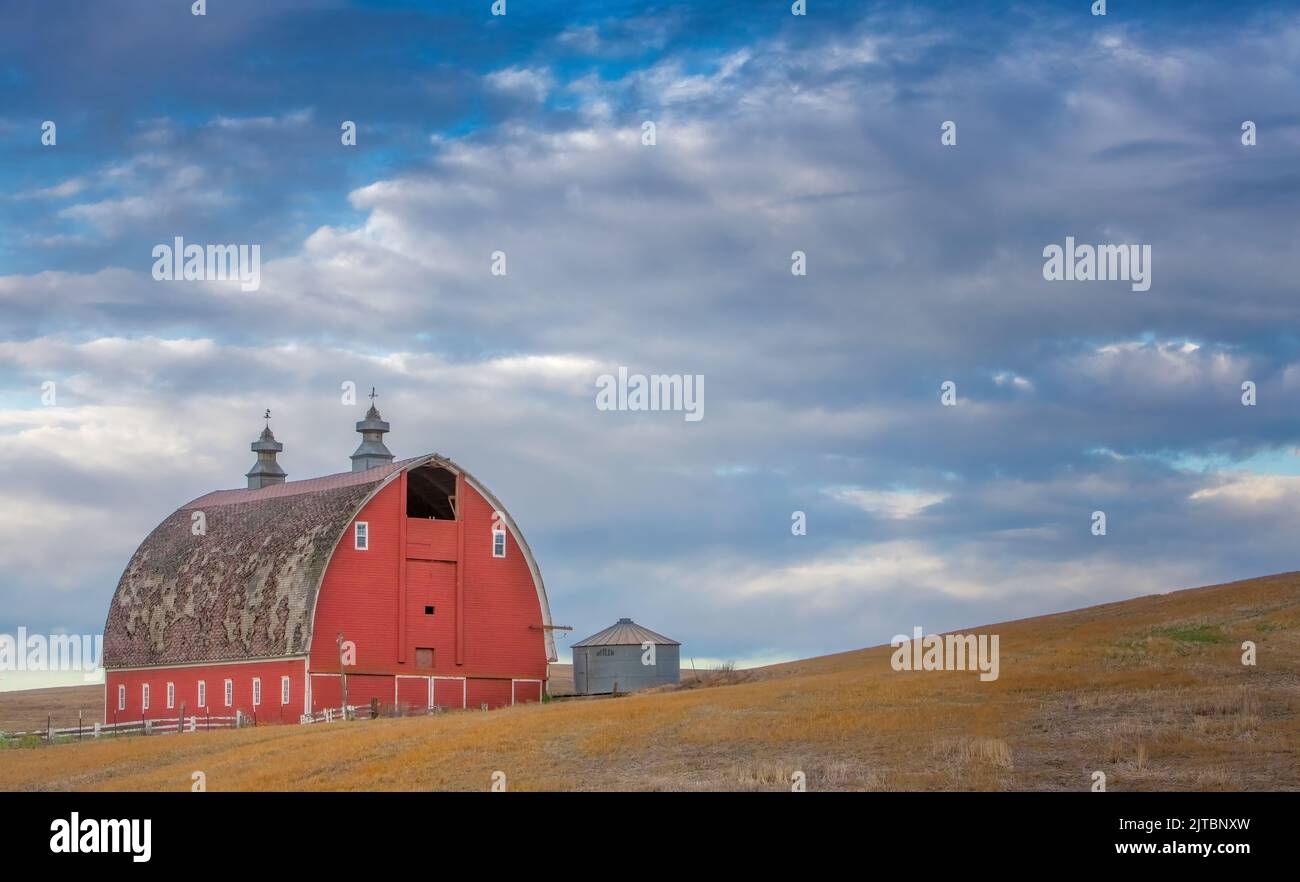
244,588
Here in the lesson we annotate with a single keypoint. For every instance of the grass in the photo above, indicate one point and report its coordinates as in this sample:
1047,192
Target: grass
1150,691
1202,633
27,710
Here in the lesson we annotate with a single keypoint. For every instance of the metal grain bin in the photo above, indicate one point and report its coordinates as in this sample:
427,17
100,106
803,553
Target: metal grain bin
619,656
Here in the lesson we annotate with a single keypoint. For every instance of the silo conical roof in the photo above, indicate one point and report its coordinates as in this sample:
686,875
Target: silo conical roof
626,632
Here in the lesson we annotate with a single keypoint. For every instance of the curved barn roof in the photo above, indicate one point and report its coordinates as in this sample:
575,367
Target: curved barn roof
626,632
246,586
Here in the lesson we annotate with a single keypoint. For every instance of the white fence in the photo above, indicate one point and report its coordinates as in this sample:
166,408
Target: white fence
366,712
191,723
333,714
171,726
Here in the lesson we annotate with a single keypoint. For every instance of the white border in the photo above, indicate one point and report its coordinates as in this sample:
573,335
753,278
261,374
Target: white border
464,689
428,686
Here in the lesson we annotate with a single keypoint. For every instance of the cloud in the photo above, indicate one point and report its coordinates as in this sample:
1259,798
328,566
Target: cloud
292,119
535,83
1019,383
893,504
1254,491
924,266
62,190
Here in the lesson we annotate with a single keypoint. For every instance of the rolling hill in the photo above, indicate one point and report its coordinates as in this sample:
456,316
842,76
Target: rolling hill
30,709
1150,691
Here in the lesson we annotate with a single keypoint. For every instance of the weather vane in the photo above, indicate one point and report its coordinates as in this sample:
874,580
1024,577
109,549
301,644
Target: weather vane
373,395
268,417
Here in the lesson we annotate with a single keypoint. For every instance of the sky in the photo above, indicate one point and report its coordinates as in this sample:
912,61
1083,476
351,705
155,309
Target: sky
774,133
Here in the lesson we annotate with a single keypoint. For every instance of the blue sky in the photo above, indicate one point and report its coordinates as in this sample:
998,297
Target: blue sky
774,133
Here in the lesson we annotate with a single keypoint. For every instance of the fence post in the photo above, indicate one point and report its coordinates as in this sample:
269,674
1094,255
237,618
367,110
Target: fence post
97,725
78,724
148,727
180,721
49,728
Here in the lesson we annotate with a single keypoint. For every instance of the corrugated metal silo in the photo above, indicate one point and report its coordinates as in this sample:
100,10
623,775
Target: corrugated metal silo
619,657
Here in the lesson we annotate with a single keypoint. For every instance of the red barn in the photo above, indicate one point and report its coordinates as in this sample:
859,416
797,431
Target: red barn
242,600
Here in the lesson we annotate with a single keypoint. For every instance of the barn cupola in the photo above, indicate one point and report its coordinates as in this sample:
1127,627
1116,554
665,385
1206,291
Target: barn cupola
266,471
371,452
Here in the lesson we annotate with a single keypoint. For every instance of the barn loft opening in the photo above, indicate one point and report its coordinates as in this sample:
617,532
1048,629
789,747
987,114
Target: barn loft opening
431,493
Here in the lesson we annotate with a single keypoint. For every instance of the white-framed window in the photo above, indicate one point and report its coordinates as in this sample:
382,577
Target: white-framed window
171,695
257,691
361,536
498,543
230,692
284,690
121,697
203,693
144,696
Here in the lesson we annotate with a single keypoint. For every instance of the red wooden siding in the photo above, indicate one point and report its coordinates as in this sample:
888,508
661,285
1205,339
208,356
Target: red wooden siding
449,694
413,692
360,597
187,691
527,691
363,687
430,540
431,583
503,617
495,693
326,690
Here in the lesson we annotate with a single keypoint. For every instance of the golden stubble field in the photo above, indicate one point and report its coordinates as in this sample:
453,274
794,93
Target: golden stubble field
1150,691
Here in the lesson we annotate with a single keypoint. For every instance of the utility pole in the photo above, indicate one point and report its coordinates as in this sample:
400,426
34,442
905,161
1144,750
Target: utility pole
343,676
